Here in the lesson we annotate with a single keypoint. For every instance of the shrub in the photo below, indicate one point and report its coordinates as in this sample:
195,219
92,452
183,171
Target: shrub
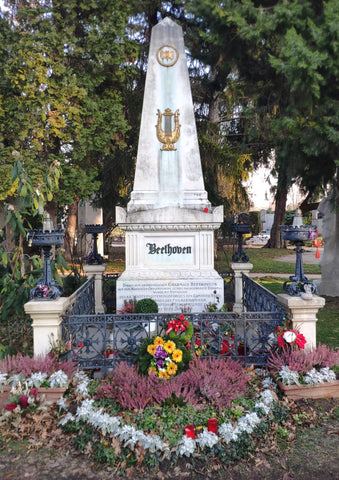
146,305
216,380
28,365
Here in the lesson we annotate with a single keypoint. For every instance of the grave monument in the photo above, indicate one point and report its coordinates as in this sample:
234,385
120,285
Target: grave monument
329,263
169,221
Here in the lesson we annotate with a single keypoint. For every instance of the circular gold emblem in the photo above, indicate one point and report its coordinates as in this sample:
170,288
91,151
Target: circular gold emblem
167,55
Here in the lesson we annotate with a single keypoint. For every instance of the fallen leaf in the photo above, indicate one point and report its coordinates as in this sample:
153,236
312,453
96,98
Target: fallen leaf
331,432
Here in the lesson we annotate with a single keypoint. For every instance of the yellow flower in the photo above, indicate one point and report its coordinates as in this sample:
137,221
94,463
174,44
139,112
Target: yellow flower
152,369
172,368
169,346
164,375
158,341
151,349
177,356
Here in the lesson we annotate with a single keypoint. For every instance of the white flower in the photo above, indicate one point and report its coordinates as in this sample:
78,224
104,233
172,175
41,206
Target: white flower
228,433
67,418
289,336
3,380
207,439
85,409
262,407
58,379
186,446
62,403
36,379
247,423
16,379
289,377
313,377
267,397
267,382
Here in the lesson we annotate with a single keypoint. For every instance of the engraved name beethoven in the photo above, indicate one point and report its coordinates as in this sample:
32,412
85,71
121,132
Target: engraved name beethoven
167,249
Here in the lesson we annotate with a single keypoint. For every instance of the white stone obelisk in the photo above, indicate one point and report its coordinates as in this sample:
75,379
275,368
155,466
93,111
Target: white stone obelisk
169,221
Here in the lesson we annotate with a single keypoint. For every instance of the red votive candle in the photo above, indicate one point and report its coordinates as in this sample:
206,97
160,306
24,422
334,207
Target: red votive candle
189,430
212,425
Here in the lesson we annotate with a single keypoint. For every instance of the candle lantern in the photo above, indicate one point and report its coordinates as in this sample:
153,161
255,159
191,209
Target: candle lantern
297,233
240,226
47,288
94,257
212,425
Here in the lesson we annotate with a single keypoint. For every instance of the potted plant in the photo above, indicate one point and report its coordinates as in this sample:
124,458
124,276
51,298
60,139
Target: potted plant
302,373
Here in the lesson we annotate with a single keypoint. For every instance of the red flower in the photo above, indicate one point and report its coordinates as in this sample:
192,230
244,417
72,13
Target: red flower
205,210
281,341
23,400
10,407
181,317
198,342
224,347
34,393
300,340
80,345
188,345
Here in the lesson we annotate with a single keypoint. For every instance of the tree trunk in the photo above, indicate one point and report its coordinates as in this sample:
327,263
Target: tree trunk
279,219
70,232
52,209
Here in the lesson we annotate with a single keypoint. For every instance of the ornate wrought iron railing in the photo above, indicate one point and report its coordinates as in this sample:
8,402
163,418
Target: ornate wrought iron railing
108,339
81,302
257,298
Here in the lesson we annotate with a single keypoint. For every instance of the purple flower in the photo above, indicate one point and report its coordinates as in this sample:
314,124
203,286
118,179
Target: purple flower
160,363
160,352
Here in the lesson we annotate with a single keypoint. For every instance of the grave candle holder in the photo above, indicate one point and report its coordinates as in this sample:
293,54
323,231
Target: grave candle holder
212,425
190,431
297,233
94,257
47,288
240,229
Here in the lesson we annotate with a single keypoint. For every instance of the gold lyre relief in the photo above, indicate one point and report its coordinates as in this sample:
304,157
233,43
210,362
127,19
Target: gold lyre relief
168,136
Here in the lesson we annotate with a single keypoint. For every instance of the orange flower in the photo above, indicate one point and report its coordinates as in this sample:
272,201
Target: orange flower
172,369
164,375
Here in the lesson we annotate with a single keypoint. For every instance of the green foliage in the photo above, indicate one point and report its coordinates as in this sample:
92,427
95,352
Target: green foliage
146,305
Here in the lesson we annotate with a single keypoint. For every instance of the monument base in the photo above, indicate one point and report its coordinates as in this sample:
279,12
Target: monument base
174,292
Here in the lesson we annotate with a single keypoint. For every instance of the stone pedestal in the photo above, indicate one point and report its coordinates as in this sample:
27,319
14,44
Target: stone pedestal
97,271
47,319
239,269
303,314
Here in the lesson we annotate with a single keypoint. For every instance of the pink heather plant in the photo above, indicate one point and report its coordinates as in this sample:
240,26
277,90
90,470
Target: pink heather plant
28,365
216,380
303,361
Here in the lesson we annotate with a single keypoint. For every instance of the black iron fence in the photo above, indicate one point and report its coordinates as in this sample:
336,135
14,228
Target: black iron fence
257,298
107,339
81,302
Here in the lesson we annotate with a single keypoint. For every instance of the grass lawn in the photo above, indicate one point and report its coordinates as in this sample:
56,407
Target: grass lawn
328,317
264,261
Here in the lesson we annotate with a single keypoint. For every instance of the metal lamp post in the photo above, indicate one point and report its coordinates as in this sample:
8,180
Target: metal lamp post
47,288
298,284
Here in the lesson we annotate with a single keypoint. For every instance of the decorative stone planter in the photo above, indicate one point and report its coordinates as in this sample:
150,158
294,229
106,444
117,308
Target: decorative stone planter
323,390
51,395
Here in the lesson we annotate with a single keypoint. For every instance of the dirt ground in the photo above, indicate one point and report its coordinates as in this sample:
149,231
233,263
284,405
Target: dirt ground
310,454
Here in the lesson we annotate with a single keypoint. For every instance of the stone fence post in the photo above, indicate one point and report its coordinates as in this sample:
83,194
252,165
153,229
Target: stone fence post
47,319
97,272
238,270
303,314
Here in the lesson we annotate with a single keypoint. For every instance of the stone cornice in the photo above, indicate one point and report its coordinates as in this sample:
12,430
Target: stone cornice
147,227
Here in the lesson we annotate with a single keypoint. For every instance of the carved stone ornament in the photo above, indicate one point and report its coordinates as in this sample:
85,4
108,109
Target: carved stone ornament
148,227
167,56
167,136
